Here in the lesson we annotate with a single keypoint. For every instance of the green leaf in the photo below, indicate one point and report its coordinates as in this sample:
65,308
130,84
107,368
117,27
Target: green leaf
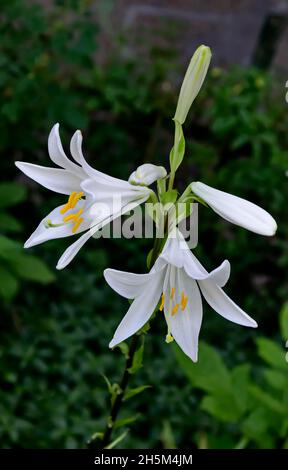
11,194
149,258
240,377
125,421
9,223
222,406
113,389
178,150
271,353
8,246
169,197
8,284
209,373
124,348
256,427
263,397
31,268
276,379
138,358
284,321
131,392
167,436
117,440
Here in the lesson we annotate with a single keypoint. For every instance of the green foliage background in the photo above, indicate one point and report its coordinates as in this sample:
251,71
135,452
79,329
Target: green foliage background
55,326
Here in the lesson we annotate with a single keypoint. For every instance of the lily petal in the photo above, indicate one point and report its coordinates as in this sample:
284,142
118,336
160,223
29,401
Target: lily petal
58,155
177,253
236,210
55,179
43,233
97,176
128,285
222,304
140,310
196,270
185,324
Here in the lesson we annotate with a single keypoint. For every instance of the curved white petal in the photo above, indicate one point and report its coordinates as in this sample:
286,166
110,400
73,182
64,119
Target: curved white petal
222,304
147,174
236,210
185,324
128,285
175,249
196,270
70,253
76,147
140,310
75,150
58,155
43,234
177,253
55,179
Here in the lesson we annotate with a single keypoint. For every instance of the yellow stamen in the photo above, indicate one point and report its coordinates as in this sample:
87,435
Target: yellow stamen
162,302
74,217
172,292
169,338
77,224
75,199
72,201
184,301
175,309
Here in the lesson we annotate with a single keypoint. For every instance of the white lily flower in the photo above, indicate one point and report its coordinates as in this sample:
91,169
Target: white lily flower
147,174
87,189
236,210
177,278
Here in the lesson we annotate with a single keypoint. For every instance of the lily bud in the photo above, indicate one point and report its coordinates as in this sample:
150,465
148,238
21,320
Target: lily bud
146,174
192,82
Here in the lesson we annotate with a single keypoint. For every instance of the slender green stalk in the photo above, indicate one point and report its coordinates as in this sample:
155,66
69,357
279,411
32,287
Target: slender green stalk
116,406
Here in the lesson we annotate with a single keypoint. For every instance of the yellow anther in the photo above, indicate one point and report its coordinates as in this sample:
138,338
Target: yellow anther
77,224
169,338
72,201
172,292
162,302
75,199
184,301
175,309
74,217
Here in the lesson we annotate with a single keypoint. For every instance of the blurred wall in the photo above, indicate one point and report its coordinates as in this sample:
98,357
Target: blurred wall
231,27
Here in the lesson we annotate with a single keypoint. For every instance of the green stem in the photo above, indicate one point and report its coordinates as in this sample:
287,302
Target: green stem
171,180
116,406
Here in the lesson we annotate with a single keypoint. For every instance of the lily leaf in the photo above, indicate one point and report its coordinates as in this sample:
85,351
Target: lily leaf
131,392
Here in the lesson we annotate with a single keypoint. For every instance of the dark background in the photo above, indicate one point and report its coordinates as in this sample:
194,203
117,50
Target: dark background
113,69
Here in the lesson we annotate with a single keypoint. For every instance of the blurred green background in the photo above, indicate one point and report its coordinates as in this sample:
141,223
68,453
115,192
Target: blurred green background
55,326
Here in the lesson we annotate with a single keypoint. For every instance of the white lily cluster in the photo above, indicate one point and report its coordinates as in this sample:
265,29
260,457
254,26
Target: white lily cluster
177,282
